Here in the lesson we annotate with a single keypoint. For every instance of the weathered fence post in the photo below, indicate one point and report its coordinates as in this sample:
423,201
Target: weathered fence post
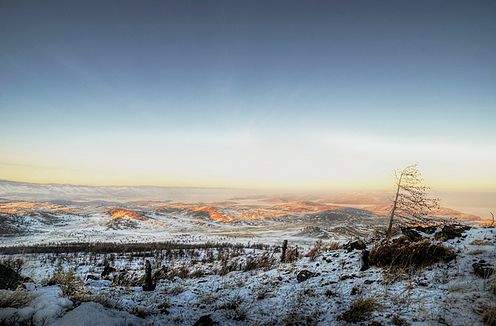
148,286
365,260
284,248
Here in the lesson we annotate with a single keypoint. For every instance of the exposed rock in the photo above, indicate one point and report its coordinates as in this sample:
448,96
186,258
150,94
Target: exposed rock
305,275
449,232
365,260
483,269
204,321
355,245
426,229
347,277
355,290
411,234
107,270
9,279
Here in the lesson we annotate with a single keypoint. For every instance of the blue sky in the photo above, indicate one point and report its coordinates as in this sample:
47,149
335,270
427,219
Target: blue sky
319,94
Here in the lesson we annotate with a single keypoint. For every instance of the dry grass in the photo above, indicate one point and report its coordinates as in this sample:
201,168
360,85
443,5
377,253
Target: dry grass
477,251
14,299
315,251
70,283
404,254
480,242
178,289
492,283
360,310
291,255
489,316
264,262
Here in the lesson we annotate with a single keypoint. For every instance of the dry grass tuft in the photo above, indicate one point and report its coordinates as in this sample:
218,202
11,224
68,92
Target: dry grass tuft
360,310
70,283
489,316
492,283
315,251
14,299
480,242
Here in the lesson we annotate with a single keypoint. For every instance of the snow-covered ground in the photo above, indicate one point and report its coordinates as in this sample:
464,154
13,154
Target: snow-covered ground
191,287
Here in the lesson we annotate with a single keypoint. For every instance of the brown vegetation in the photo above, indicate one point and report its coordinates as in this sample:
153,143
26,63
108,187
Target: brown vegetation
403,254
360,310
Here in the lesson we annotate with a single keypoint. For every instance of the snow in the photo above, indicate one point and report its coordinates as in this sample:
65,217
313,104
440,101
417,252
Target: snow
445,293
91,313
48,303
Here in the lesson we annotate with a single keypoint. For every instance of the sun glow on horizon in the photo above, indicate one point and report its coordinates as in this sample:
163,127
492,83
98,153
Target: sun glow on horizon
308,161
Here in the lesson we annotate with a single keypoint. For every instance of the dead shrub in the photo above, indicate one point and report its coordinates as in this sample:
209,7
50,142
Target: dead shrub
264,261
315,251
360,310
226,267
181,272
403,254
70,283
492,283
398,321
178,289
197,273
291,255
140,311
489,316
332,246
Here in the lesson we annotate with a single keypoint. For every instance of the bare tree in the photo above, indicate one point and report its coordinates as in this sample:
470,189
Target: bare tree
411,202
492,223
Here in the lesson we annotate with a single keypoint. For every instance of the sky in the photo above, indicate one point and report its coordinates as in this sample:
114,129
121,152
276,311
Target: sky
308,95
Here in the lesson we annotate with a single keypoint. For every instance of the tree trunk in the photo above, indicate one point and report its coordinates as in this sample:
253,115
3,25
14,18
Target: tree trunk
395,203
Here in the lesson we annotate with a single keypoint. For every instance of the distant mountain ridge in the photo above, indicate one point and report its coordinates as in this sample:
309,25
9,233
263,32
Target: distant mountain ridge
50,191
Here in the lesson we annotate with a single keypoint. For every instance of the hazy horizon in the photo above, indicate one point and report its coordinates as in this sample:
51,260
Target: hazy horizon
259,95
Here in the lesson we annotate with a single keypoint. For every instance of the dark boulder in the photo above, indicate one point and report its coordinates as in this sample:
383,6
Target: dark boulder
204,321
365,260
483,269
305,275
355,245
449,232
107,270
426,229
411,234
9,279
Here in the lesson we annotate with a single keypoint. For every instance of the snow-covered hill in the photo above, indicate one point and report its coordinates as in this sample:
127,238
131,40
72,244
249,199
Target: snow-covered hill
236,286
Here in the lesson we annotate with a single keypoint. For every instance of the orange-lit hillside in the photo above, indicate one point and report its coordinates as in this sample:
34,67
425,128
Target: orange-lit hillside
27,207
117,213
214,213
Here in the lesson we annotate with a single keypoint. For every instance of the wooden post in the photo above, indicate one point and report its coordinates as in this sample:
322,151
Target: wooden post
284,248
148,286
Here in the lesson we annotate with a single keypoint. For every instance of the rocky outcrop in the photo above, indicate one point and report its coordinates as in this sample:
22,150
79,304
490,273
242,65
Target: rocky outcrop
204,321
9,279
412,235
449,232
305,275
483,269
354,245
